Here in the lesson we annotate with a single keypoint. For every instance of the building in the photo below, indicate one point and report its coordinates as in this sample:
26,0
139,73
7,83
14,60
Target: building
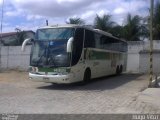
15,38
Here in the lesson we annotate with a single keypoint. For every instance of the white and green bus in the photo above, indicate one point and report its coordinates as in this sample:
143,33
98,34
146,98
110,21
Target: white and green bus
73,53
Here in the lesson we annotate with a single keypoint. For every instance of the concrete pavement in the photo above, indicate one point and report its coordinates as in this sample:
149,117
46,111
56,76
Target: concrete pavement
147,102
115,94
150,96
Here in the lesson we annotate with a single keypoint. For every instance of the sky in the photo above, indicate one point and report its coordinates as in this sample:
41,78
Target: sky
32,14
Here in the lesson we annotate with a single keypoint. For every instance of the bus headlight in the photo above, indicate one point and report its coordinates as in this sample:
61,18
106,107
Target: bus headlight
33,69
30,69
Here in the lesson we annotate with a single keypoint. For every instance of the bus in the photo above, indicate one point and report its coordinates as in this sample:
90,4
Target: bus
74,53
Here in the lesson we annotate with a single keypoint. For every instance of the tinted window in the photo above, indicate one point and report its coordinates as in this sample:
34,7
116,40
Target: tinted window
97,40
89,39
54,33
110,43
77,45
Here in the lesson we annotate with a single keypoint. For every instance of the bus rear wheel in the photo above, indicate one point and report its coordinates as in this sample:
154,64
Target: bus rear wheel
121,69
117,70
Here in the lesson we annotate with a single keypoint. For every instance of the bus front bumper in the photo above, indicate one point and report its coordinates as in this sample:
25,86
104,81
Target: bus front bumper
52,78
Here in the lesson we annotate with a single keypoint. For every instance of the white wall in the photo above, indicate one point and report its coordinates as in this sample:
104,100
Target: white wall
145,62
13,58
134,47
133,63
139,63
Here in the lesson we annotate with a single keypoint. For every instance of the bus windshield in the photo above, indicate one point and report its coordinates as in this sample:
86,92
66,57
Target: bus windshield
49,49
54,33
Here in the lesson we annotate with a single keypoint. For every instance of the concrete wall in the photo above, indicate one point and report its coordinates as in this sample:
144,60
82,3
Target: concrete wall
133,57
138,61
13,58
144,62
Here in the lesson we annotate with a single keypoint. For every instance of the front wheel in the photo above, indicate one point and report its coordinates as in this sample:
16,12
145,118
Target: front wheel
86,77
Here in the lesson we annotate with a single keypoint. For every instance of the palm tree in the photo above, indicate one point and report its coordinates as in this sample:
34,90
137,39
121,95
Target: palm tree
20,36
77,21
117,31
103,23
133,29
156,22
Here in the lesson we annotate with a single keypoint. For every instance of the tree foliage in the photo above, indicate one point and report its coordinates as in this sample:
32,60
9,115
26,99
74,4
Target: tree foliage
77,21
20,36
117,31
156,22
104,23
133,29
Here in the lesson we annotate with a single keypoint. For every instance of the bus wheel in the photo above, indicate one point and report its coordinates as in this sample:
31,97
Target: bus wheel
87,76
121,69
117,70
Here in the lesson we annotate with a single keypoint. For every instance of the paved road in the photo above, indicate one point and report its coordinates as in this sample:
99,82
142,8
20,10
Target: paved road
115,94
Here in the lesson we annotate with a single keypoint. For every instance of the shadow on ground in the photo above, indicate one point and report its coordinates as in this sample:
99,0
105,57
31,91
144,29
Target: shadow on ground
101,84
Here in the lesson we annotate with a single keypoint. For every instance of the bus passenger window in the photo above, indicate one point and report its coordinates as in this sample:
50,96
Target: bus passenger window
89,39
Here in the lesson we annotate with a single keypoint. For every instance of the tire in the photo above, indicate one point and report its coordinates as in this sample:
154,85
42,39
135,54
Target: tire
121,69
54,83
117,70
87,76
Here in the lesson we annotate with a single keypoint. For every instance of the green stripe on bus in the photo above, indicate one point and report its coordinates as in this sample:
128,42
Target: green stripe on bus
54,69
98,55
45,69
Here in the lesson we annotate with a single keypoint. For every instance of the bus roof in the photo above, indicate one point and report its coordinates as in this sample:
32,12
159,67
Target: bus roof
60,26
82,26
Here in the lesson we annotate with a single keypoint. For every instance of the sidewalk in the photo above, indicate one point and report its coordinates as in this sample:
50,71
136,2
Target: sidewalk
147,102
151,96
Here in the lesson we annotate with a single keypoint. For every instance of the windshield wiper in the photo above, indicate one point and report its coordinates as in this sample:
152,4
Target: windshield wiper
51,62
41,56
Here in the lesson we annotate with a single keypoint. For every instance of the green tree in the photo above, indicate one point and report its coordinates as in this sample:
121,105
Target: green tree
133,29
117,31
20,36
15,39
77,21
156,22
104,23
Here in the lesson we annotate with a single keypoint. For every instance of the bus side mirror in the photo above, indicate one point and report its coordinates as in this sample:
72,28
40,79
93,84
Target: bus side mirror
70,44
25,42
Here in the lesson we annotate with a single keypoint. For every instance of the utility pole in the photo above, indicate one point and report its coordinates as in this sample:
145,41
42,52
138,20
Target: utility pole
151,43
2,10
